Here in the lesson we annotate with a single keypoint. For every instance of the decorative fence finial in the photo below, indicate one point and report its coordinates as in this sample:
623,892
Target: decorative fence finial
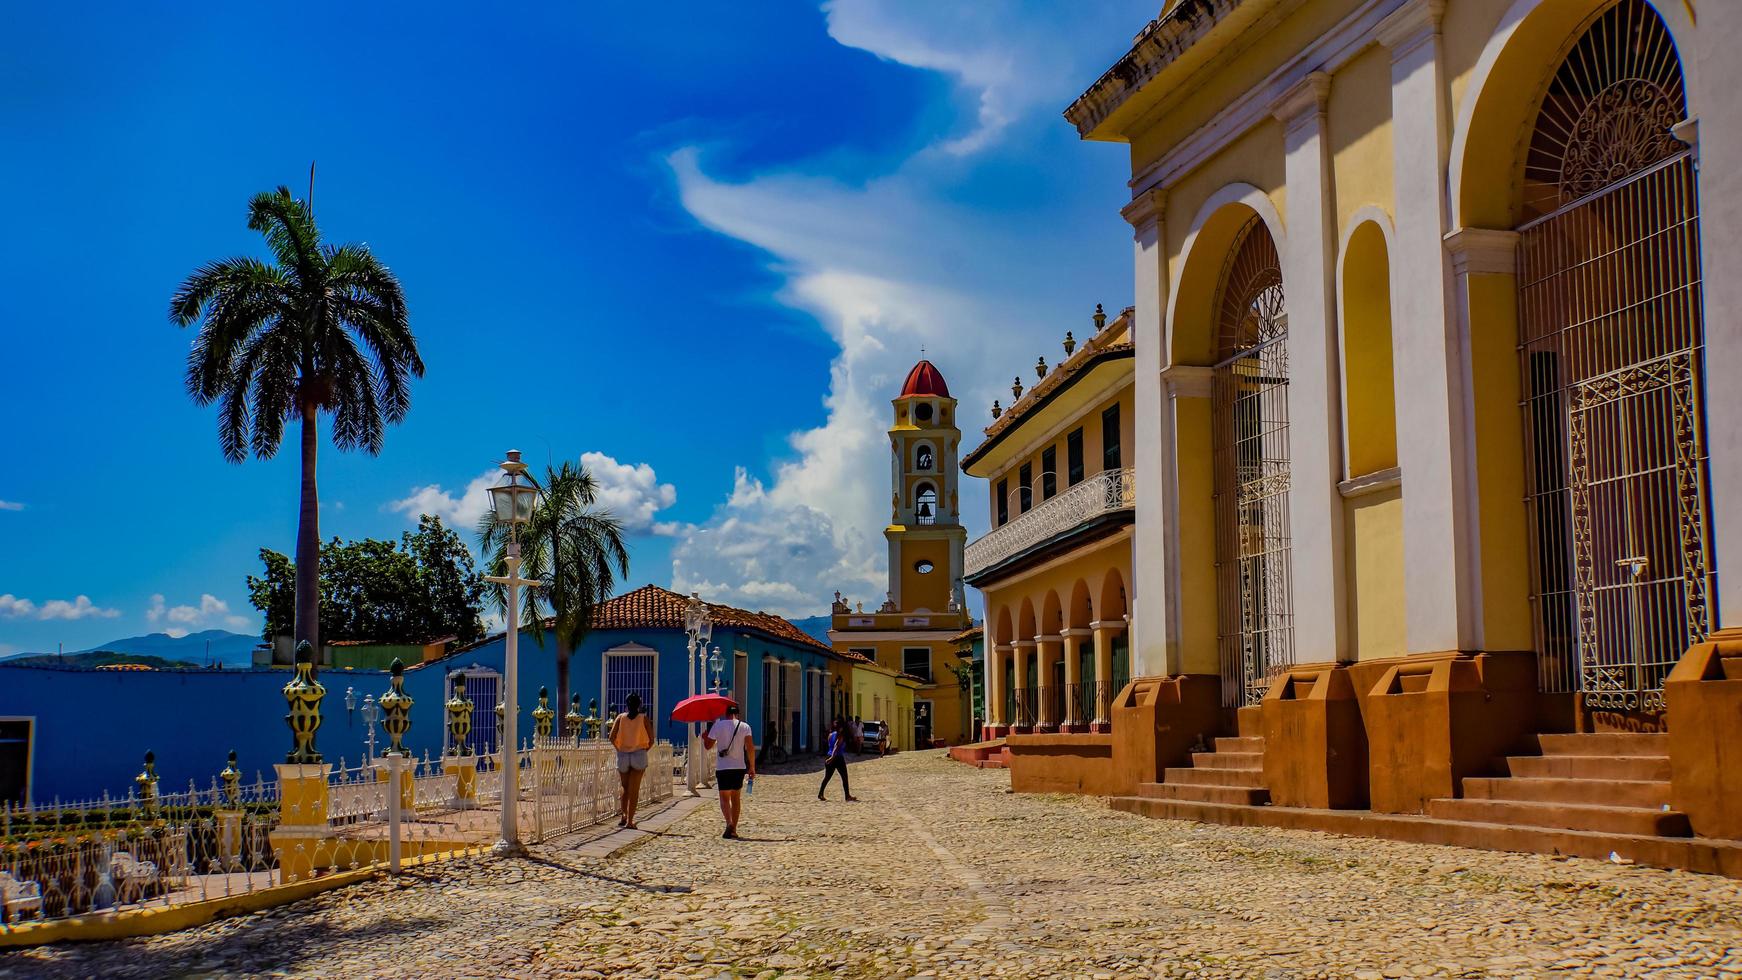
997,409
147,783
1016,387
574,719
232,778
304,695
542,714
1040,367
592,717
459,718
1100,318
1070,343
396,709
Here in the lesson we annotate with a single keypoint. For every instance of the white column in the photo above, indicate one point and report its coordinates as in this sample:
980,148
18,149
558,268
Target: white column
1315,420
1430,352
1718,152
1177,382
996,682
1154,648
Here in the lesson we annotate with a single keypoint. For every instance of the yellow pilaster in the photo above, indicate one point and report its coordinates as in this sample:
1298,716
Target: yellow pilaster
302,820
1024,701
1074,676
465,770
1047,652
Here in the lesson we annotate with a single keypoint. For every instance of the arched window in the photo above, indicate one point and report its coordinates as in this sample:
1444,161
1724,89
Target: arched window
922,459
1611,339
1249,446
925,510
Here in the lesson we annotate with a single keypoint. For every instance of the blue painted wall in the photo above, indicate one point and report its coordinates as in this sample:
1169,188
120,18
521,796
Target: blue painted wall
92,727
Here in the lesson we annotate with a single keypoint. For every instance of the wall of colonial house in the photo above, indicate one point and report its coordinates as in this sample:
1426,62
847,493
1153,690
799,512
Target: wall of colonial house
1094,453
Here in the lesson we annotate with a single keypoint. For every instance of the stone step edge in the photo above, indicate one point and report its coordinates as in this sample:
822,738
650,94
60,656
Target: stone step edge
1699,854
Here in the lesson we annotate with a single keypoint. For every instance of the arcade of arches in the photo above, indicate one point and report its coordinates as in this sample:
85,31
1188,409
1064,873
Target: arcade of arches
1430,474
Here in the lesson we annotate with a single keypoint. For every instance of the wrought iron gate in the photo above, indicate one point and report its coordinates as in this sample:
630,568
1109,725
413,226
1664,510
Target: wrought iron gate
1611,340
1249,415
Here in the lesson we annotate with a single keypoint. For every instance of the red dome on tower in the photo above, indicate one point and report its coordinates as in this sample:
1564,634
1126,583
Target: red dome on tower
925,379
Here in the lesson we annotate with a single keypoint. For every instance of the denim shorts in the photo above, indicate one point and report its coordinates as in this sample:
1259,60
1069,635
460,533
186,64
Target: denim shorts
636,760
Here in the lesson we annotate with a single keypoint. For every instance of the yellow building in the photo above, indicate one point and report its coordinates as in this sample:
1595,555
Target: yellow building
1429,470
1055,565
910,633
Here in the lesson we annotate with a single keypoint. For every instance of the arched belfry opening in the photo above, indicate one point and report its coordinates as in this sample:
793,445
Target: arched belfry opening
1612,341
1249,421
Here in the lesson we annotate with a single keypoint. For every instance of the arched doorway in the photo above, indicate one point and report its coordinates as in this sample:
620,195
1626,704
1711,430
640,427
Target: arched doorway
1611,341
1249,448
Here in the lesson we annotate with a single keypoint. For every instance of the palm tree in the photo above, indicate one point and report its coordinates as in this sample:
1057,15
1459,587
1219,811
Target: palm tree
573,549
322,328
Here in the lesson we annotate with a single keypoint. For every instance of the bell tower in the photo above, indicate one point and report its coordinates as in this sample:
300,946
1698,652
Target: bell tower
925,530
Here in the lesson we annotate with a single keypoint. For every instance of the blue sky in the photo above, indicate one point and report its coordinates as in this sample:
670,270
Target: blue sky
696,245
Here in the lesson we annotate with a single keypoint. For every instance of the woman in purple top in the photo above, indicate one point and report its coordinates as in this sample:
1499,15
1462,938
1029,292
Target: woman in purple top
837,761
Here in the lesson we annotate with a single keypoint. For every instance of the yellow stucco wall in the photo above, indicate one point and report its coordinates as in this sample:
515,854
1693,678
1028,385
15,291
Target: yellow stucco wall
1090,586
1369,393
1094,446
1358,126
930,591
1500,463
1374,528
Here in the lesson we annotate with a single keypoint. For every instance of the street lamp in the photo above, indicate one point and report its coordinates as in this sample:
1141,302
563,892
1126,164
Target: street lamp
699,625
370,711
714,664
512,502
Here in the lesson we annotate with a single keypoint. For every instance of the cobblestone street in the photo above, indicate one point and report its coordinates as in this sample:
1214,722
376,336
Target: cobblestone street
940,872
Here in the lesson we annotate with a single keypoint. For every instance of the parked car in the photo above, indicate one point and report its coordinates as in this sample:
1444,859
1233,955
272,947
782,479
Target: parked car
876,738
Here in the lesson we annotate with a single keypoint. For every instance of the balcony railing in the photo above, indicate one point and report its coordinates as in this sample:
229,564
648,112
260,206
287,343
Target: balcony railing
1103,493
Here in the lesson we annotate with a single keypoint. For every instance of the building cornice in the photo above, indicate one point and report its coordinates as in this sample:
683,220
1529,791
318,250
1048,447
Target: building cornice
1409,26
1146,208
1187,380
1158,45
1306,97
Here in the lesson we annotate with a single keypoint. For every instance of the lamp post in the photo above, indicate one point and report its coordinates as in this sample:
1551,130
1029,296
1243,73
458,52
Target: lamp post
512,501
699,625
714,664
371,712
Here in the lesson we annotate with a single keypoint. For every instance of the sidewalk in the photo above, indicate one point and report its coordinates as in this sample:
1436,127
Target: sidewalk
651,824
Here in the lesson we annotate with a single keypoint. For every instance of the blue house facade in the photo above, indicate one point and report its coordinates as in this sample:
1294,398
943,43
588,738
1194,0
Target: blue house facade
77,733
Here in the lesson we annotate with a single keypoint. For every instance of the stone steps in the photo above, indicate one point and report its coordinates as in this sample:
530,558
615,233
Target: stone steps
1250,778
1578,766
1206,793
1240,744
1228,760
1605,743
1633,820
1652,794
1721,857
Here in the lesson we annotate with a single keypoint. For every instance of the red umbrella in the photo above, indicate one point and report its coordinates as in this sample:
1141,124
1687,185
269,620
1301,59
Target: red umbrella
702,707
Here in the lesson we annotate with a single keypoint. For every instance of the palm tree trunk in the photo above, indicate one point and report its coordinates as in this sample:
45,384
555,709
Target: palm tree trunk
564,650
308,540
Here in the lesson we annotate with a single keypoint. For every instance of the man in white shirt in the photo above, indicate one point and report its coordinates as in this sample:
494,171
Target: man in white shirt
732,739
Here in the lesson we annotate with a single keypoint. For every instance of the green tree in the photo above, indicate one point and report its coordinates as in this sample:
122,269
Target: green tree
423,588
573,548
321,328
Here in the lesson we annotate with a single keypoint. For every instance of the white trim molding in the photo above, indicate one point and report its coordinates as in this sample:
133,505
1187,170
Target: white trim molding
1483,251
1374,482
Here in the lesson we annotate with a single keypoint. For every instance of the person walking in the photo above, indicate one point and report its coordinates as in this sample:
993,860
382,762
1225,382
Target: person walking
632,735
858,734
837,761
735,767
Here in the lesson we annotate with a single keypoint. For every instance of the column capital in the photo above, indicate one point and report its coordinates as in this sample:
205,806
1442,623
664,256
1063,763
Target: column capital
1477,251
1048,637
1304,101
1003,647
1187,380
1409,26
1023,644
1078,631
1146,208
1108,624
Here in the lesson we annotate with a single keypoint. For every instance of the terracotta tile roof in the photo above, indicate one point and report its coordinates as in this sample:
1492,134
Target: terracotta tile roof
651,607
971,633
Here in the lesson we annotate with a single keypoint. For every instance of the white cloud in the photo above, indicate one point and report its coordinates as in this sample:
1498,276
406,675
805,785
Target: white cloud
13,607
922,256
79,607
179,621
10,505
461,511
632,493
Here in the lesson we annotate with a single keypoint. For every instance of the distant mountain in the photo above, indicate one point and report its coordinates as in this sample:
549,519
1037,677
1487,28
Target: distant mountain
229,649
97,658
816,626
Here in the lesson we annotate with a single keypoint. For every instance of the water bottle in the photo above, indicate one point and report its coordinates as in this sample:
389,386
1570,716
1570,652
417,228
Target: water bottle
750,786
